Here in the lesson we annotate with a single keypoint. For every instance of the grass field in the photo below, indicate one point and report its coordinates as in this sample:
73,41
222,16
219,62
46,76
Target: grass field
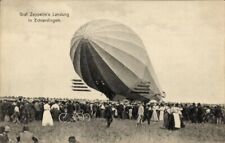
122,131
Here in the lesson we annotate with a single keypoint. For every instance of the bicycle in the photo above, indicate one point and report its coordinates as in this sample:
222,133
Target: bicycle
76,116
86,116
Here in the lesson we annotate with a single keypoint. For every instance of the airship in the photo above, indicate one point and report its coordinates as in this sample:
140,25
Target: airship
111,58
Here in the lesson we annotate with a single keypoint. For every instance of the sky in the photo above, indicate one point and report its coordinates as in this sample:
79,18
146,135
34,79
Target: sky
184,41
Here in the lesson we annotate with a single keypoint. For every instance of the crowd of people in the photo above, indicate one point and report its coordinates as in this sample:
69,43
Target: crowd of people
25,110
172,115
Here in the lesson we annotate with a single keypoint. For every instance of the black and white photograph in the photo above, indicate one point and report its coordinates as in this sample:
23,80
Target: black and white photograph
114,71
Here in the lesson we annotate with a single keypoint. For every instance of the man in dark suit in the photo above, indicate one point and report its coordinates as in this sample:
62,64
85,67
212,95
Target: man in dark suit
108,114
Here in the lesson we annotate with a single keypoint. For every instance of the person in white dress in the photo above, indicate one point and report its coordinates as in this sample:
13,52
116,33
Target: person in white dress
140,114
154,114
175,110
47,117
130,113
161,112
102,106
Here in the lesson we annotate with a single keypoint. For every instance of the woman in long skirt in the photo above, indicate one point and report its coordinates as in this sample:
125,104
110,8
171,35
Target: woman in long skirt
176,117
154,114
47,117
166,117
161,112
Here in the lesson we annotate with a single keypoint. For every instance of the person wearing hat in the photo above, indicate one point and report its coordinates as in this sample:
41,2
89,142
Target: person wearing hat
161,112
47,117
72,139
140,114
130,112
102,107
108,114
147,113
55,110
16,113
176,122
135,111
37,108
154,113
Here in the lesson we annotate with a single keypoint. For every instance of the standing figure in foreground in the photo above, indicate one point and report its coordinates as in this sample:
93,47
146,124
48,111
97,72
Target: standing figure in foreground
167,116
47,117
140,114
16,114
176,117
154,113
147,113
55,110
108,114
161,112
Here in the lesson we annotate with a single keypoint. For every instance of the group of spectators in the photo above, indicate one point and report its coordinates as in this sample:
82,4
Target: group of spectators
172,115
23,110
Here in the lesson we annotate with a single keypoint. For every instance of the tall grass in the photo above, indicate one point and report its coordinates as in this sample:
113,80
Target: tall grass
122,131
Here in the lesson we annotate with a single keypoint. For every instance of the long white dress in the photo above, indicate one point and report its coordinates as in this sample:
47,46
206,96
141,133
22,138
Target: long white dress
175,111
140,114
47,117
154,114
161,113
